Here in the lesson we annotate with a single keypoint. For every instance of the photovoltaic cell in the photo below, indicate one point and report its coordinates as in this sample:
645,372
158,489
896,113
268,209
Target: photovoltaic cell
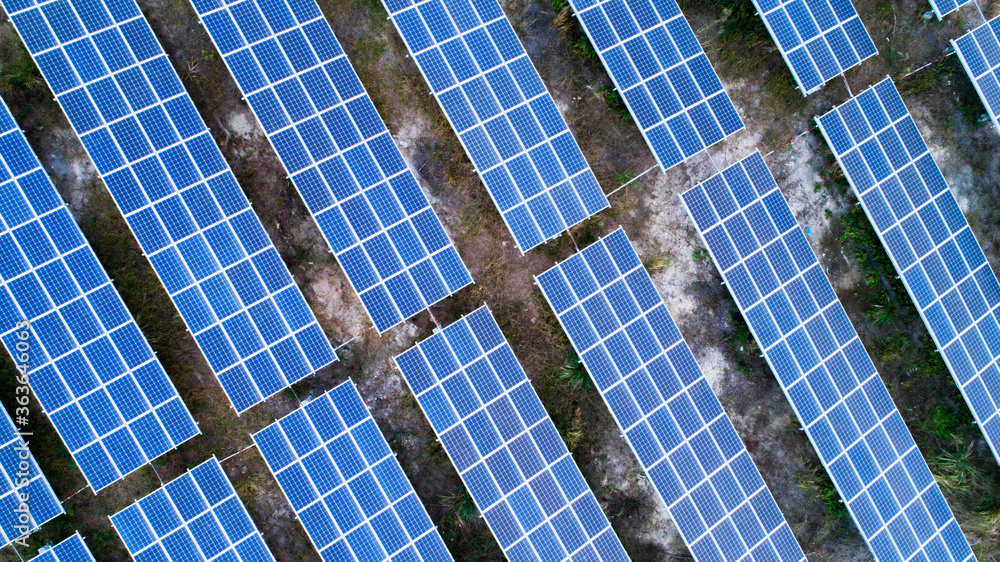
660,70
341,158
176,191
819,39
504,445
979,51
90,367
43,504
345,485
72,549
197,516
944,7
504,116
647,375
928,239
822,367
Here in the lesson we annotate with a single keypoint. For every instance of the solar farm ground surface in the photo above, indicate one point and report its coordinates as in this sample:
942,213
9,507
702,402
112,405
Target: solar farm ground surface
945,107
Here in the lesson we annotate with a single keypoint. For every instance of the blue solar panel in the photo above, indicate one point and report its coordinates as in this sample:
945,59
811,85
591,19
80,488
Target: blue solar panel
979,51
72,549
930,242
345,485
645,372
660,69
342,159
819,39
22,476
503,115
197,516
91,368
177,193
504,445
944,7
822,367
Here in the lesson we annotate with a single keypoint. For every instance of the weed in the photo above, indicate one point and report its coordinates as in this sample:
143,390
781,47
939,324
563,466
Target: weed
615,102
954,472
575,374
461,506
817,482
699,254
659,261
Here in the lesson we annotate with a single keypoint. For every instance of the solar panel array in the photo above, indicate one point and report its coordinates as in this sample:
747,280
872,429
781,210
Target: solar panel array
647,375
944,7
72,549
819,39
197,516
91,369
660,70
177,193
18,478
822,367
503,115
503,443
344,483
979,51
928,239
342,159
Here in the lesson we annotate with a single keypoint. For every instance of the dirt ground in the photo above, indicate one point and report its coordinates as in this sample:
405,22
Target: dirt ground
650,211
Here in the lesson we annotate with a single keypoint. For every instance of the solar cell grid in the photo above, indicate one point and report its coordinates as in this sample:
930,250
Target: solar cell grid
647,375
91,369
72,549
341,158
502,113
819,39
22,479
660,69
928,239
177,193
822,367
944,7
197,516
344,483
979,51
504,445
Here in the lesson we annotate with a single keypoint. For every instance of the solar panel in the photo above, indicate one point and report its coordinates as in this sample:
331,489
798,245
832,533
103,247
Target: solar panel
819,39
928,239
822,367
647,375
502,113
503,443
197,516
90,367
345,484
660,70
979,51
342,159
944,7
176,191
21,475
72,549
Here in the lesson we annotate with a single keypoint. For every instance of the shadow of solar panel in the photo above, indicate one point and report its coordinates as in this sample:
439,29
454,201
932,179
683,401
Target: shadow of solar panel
660,70
819,39
91,368
177,193
944,7
928,239
503,115
504,445
822,366
72,549
344,483
979,51
647,375
21,475
341,158
197,516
